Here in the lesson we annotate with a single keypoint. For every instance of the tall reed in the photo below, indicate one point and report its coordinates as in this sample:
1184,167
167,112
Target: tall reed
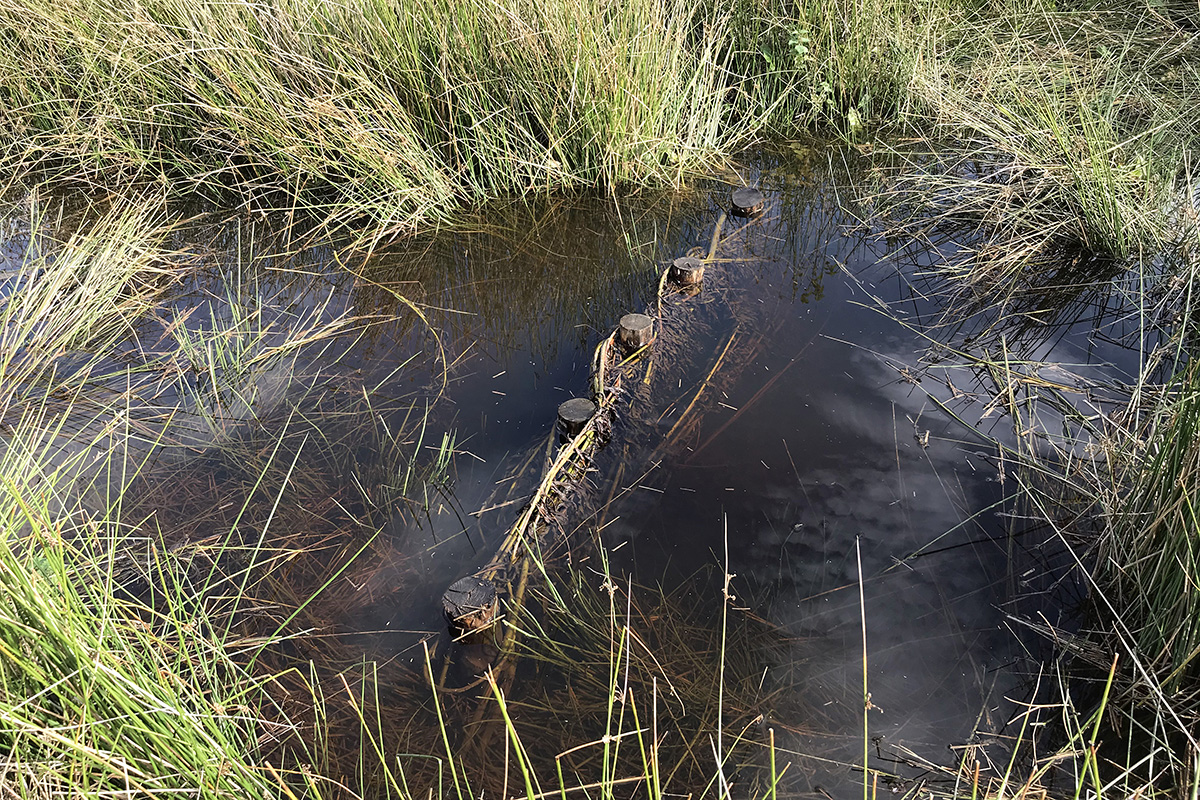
1150,556
389,114
393,111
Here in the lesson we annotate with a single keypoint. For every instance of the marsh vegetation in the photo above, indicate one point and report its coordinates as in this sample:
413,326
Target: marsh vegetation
260,261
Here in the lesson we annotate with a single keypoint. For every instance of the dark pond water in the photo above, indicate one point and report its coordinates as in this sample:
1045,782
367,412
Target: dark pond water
785,437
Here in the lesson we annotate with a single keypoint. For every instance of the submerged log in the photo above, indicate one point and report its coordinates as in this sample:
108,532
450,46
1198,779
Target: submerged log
747,202
636,330
574,414
470,605
687,271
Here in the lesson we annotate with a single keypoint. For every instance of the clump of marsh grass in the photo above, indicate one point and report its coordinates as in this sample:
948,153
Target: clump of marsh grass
72,301
1149,556
367,108
848,66
105,695
1054,127
139,642
1053,160
1134,732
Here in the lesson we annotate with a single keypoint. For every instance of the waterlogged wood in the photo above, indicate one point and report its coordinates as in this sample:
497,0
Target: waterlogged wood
470,605
574,414
687,271
636,330
747,201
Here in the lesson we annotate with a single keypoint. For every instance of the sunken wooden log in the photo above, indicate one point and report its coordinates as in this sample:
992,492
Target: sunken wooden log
574,414
470,605
747,202
636,330
687,271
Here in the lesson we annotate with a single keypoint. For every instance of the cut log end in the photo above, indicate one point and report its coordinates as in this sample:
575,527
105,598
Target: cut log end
635,331
574,414
470,605
747,202
687,271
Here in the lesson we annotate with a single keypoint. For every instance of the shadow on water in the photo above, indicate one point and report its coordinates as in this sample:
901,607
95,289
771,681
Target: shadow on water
379,421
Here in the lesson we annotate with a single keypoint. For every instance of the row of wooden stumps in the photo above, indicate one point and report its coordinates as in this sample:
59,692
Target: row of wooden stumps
472,604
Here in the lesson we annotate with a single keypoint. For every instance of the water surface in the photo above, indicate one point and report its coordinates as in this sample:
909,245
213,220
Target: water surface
785,436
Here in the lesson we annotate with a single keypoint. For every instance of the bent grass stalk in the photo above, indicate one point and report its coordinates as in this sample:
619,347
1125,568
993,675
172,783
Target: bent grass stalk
866,694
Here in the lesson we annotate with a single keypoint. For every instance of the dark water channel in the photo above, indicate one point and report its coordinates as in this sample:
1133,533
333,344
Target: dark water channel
813,457
813,460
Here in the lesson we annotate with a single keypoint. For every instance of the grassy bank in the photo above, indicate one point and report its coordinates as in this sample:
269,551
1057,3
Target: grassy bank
395,112
1149,557
104,696
393,115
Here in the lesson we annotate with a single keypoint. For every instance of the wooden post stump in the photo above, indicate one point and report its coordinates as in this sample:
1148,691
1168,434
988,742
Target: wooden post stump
470,605
747,202
636,330
687,271
574,414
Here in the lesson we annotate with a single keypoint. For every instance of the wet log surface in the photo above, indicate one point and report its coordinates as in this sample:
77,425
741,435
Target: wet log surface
747,202
636,330
658,371
470,605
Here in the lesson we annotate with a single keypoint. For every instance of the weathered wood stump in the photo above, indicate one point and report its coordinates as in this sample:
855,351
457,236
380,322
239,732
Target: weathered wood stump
687,271
636,330
470,605
574,414
747,202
